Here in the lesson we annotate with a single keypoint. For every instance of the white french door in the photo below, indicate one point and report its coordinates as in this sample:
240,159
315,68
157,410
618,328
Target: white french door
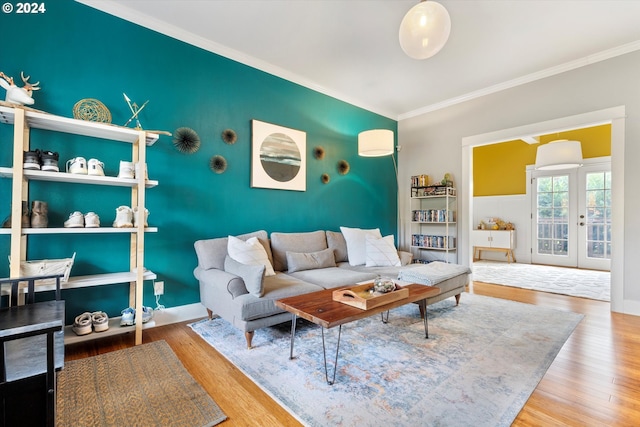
594,217
571,217
554,204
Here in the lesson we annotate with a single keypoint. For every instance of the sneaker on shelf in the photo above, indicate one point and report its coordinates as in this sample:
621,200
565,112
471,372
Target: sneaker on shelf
126,170
124,217
147,314
82,324
135,217
76,220
100,321
128,317
49,161
91,220
137,171
96,167
77,165
31,160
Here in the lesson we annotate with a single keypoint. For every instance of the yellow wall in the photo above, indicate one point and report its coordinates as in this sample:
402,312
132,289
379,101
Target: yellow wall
500,169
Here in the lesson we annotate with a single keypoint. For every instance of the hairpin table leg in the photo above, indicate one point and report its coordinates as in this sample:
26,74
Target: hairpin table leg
335,362
293,335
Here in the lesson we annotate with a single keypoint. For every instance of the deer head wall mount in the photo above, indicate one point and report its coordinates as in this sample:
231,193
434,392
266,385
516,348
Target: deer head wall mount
18,95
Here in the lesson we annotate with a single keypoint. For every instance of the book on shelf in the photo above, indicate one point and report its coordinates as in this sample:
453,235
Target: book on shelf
419,181
433,242
433,215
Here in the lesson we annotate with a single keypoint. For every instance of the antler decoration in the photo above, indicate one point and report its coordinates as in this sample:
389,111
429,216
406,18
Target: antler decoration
29,87
7,78
15,94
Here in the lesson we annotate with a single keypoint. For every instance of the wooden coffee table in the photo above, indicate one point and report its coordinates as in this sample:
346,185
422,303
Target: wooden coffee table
320,308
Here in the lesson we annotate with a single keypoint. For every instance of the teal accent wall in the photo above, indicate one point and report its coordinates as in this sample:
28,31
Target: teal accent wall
77,52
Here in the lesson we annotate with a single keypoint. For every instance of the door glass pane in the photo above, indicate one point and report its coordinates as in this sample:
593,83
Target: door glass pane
552,209
598,215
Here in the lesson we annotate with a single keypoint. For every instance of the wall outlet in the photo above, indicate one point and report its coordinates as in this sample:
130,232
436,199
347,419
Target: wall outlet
158,288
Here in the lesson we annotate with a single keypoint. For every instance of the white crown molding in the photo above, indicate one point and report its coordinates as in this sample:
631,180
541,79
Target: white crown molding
552,71
128,14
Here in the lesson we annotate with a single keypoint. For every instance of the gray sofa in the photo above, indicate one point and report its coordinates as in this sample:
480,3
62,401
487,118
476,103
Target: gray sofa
303,262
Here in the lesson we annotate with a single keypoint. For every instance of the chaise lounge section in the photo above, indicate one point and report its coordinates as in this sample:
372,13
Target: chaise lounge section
244,293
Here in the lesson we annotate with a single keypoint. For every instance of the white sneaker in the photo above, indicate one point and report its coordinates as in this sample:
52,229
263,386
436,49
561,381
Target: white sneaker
147,314
126,170
82,324
91,220
124,217
146,171
76,220
77,165
135,217
100,321
96,167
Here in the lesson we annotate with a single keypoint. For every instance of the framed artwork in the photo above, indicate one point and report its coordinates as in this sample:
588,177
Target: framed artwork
278,157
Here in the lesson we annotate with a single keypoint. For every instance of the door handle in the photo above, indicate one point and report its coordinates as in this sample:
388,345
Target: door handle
581,223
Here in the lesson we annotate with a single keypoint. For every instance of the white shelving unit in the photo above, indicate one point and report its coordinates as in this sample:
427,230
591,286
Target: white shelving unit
433,222
23,121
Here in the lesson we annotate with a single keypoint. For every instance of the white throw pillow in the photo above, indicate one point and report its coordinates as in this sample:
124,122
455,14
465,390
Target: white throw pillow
356,245
381,252
250,252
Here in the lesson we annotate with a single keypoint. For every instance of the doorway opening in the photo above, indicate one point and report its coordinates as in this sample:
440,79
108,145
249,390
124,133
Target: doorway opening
613,116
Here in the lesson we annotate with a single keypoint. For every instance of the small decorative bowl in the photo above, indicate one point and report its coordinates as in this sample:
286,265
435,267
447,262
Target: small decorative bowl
384,286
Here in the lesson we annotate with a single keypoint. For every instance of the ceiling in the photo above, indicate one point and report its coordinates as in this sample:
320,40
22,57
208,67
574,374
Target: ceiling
349,49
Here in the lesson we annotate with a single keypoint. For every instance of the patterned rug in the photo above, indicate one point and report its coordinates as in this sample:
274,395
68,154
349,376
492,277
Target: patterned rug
144,385
590,284
482,361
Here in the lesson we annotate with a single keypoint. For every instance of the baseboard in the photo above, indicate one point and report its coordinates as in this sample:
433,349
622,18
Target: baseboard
178,314
631,307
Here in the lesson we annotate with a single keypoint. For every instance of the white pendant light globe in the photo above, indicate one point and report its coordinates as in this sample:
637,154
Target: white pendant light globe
424,30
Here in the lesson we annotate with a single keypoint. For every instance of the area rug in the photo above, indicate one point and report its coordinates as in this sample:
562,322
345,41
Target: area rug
144,385
575,282
482,361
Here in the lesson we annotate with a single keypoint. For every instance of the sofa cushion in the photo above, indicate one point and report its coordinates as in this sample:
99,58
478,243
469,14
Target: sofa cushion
333,277
276,287
212,252
381,252
298,261
335,240
355,238
252,275
295,242
250,252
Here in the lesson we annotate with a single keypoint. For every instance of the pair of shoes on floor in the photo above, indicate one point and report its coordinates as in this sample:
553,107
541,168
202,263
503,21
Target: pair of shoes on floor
127,217
80,166
78,220
86,323
41,160
129,316
131,170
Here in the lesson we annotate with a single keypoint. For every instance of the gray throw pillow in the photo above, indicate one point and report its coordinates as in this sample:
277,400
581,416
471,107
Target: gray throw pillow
252,275
298,261
335,240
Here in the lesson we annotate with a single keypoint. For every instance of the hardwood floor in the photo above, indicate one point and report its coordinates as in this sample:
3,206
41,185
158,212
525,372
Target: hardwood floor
594,380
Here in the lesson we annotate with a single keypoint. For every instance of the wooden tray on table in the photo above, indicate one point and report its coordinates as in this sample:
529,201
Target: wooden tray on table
360,296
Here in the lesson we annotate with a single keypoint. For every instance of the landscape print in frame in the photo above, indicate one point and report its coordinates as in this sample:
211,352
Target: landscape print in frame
278,157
